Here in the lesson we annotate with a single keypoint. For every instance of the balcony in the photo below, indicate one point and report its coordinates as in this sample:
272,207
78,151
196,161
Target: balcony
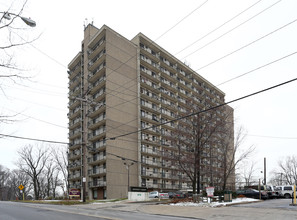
96,73
74,155
73,72
73,177
74,113
98,84
97,134
96,159
98,109
146,72
74,166
97,122
74,123
97,146
75,82
75,134
74,144
92,53
92,184
97,172
75,186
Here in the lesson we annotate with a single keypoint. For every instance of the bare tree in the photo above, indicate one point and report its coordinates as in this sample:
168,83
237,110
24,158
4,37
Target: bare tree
14,37
248,171
232,155
60,158
196,140
4,176
16,179
32,161
287,169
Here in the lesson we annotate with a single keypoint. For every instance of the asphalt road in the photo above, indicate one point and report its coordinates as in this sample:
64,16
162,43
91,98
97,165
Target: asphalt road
25,211
125,210
21,211
271,204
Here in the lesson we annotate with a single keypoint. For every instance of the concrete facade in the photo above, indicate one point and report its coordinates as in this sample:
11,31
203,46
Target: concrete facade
116,87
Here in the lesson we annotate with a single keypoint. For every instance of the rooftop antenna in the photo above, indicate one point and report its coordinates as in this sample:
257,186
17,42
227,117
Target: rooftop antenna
85,22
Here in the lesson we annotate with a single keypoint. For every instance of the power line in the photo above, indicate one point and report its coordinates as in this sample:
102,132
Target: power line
195,113
232,29
199,112
260,67
254,41
181,20
60,126
33,139
273,137
133,56
267,64
35,103
226,22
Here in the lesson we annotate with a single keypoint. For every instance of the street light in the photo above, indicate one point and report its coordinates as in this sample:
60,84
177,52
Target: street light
28,21
128,168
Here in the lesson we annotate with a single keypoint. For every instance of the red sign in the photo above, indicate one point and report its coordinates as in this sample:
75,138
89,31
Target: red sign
210,191
74,192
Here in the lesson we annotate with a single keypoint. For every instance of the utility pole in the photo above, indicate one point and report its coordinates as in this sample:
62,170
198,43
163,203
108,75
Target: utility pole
264,181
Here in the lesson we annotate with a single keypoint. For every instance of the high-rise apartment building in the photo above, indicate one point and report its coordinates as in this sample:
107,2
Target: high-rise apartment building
124,96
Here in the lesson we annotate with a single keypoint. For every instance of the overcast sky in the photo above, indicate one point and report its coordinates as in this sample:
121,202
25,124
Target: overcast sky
240,46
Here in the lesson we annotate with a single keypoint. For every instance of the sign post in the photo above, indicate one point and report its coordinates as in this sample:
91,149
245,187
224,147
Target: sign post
294,197
210,193
21,187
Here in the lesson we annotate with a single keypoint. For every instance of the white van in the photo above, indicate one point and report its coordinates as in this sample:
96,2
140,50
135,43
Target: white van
285,191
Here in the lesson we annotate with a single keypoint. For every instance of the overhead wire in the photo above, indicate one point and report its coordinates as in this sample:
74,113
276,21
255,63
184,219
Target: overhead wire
184,18
181,20
260,67
208,109
33,139
240,14
189,115
134,56
35,103
246,45
215,29
40,120
232,29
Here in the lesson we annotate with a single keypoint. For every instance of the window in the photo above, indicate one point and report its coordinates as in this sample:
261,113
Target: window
288,188
143,182
95,194
142,124
142,113
155,181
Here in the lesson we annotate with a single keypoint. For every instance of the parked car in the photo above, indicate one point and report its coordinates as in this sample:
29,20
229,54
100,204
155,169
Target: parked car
189,194
154,194
163,195
272,192
179,194
285,191
171,195
252,193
